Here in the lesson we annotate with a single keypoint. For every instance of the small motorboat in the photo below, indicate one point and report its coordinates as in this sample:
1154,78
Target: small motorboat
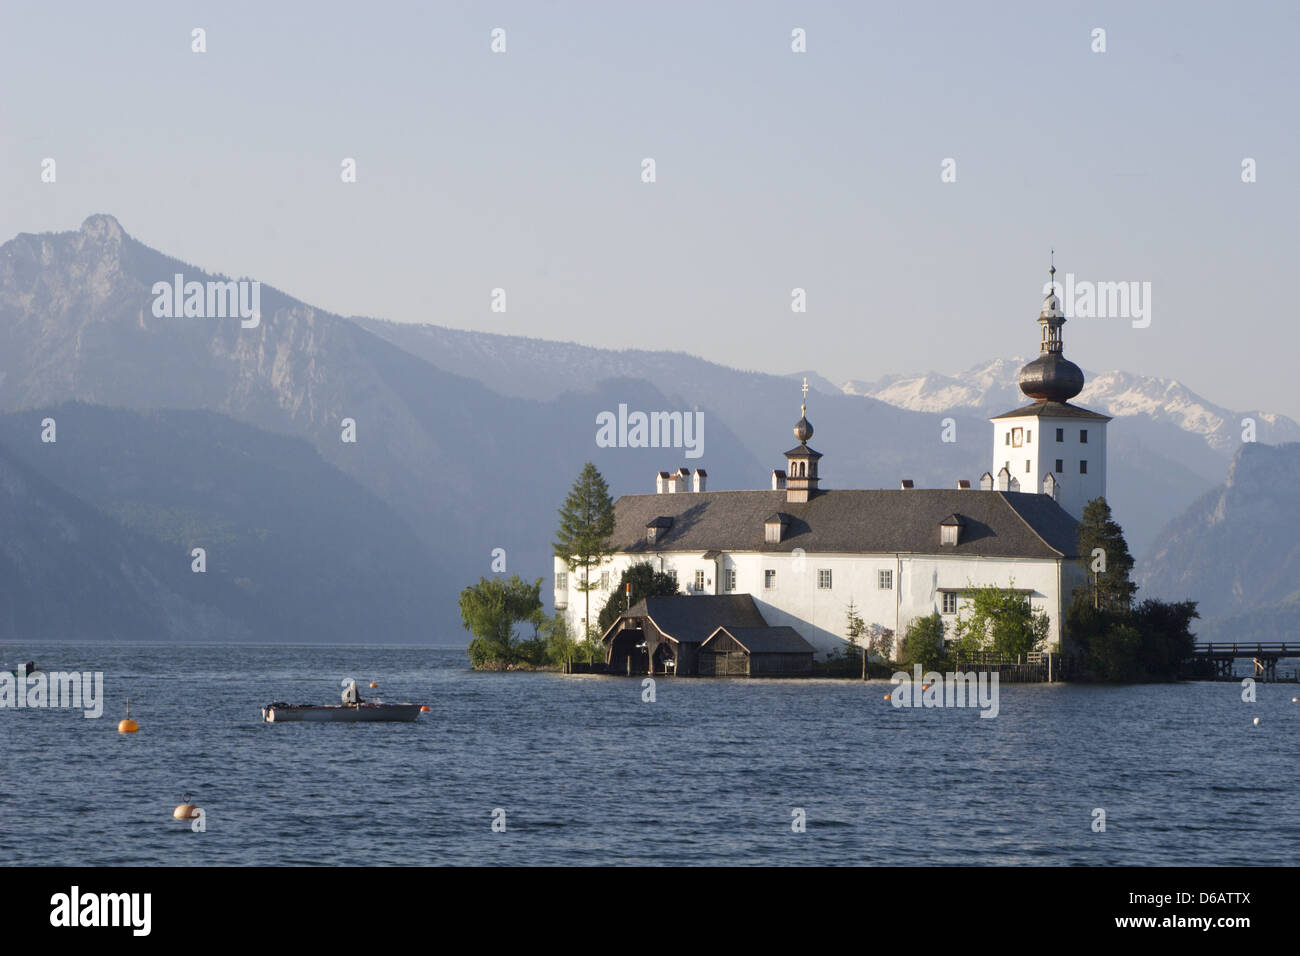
354,709
280,712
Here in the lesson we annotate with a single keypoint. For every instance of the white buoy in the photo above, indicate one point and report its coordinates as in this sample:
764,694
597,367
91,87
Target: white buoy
1256,721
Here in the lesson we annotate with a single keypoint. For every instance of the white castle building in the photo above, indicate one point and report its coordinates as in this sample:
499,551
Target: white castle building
801,552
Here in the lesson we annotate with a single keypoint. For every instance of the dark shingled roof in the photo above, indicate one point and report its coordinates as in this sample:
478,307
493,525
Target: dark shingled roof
997,523
802,451
766,640
1053,410
691,619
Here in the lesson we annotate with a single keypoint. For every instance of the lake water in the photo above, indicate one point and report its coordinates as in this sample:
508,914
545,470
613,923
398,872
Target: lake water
588,773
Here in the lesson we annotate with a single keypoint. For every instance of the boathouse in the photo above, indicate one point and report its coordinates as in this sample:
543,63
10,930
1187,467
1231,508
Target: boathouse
664,635
755,652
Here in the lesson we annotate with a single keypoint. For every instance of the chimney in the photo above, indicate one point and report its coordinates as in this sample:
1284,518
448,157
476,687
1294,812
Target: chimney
661,482
986,482
1004,479
1015,484
906,484
963,484
701,479
778,479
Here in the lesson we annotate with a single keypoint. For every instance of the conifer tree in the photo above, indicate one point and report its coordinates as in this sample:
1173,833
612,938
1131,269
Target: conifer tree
586,531
1106,558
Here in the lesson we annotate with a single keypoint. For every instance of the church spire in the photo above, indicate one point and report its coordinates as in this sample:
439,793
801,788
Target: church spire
1051,377
801,461
803,429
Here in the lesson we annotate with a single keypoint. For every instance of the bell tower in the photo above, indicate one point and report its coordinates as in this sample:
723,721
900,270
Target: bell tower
1051,444
801,461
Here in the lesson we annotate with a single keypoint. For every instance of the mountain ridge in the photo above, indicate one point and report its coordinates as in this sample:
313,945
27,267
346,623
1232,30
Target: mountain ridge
474,438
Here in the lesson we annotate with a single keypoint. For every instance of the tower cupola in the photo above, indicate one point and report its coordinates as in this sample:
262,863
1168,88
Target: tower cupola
801,461
1051,377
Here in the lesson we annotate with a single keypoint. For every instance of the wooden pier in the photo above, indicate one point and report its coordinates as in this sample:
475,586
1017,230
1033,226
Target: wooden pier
1220,658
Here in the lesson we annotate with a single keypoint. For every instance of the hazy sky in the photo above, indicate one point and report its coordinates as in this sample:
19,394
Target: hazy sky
775,170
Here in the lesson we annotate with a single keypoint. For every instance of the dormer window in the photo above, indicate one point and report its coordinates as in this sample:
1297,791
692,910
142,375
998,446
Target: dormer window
950,531
656,529
774,528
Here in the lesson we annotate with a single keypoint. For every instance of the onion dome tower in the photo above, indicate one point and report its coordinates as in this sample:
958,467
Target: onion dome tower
1050,446
1051,377
801,461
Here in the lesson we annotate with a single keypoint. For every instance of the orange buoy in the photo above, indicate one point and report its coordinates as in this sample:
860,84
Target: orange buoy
887,697
187,810
925,687
127,725
424,709
374,684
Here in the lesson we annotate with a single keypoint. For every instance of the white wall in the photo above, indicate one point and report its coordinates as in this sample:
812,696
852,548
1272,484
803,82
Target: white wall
819,614
1042,450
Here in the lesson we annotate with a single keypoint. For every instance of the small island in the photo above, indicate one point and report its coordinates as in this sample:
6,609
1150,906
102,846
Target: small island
799,580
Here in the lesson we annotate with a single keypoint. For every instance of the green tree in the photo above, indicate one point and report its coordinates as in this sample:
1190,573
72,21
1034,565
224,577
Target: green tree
1149,642
646,582
854,627
560,645
1167,638
923,643
585,538
1116,655
1001,620
491,609
1106,558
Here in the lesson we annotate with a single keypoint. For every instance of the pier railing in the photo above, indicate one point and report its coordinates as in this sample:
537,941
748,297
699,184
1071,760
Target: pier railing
1217,659
1248,649
1034,667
